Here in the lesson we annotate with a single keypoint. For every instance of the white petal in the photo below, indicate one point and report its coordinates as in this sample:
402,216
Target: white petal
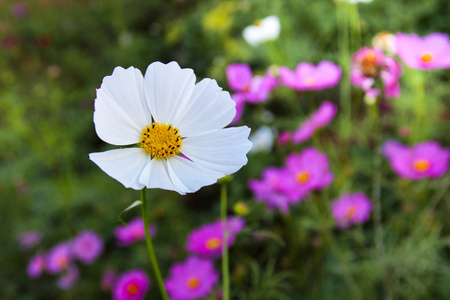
221,150
167,90
124,165
209,108
189,177
120,114
156,175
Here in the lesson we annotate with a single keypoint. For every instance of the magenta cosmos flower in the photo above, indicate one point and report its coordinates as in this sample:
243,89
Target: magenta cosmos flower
310,170
426,53
426,159
309,77
207,240
36,266
351,209
319,118
29,239
134,232
59,258
253,89
69,278
132,285
371,64
277,189
193,279
87,246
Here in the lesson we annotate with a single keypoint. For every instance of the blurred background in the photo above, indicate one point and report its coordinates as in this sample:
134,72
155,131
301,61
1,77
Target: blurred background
55,53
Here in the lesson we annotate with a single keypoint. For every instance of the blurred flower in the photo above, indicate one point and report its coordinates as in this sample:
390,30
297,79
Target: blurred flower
385,41
177,124
87,246
58,258
370,64
207,240
240,103
426,53
267,29
310,169
36,266
310,77
9,42
253,89
19,10
351,209
193,279
29,239
427,159
262,139
277,189
54,71
69,278
321,117
134,232
284,137
44,41
108,279
240,208
132,285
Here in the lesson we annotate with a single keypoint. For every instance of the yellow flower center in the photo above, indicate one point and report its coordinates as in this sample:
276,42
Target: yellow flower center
132,289
426,57
310,81
161,140
257,23
213,243
369,64
351,212
421,165
193,283
303,177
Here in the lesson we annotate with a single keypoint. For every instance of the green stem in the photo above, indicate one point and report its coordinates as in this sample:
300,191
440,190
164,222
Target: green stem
151,251
223,216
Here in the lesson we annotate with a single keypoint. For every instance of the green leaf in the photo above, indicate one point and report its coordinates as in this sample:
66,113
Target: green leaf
134,204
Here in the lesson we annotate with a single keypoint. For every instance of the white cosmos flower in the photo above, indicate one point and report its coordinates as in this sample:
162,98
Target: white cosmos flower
263,30
262,139
178,126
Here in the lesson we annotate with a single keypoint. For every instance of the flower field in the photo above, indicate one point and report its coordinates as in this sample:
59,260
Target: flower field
224,149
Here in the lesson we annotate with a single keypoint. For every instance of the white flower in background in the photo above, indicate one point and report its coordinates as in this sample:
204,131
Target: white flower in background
267,29
384,40
177,125
358,1
262,139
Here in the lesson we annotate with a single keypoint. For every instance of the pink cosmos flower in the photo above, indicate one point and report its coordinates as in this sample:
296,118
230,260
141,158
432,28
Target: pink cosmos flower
427,53
309,77
309,169
132,285
370,64
193,279
276,189
68,279
87,246
351,209
240,103
134,232
207,240
19,10
319,118
252,89
108,279
36,266
427,159
284,137
29,239
59,258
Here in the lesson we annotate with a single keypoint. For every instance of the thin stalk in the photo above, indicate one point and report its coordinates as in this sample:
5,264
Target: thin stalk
223,216
151,251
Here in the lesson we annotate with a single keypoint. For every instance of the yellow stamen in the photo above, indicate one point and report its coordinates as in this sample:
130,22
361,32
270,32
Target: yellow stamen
213,243
421,165
62,261
351,212
310,81
132,289
303,177
161,140
257,23
193,283
369,64
426,57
